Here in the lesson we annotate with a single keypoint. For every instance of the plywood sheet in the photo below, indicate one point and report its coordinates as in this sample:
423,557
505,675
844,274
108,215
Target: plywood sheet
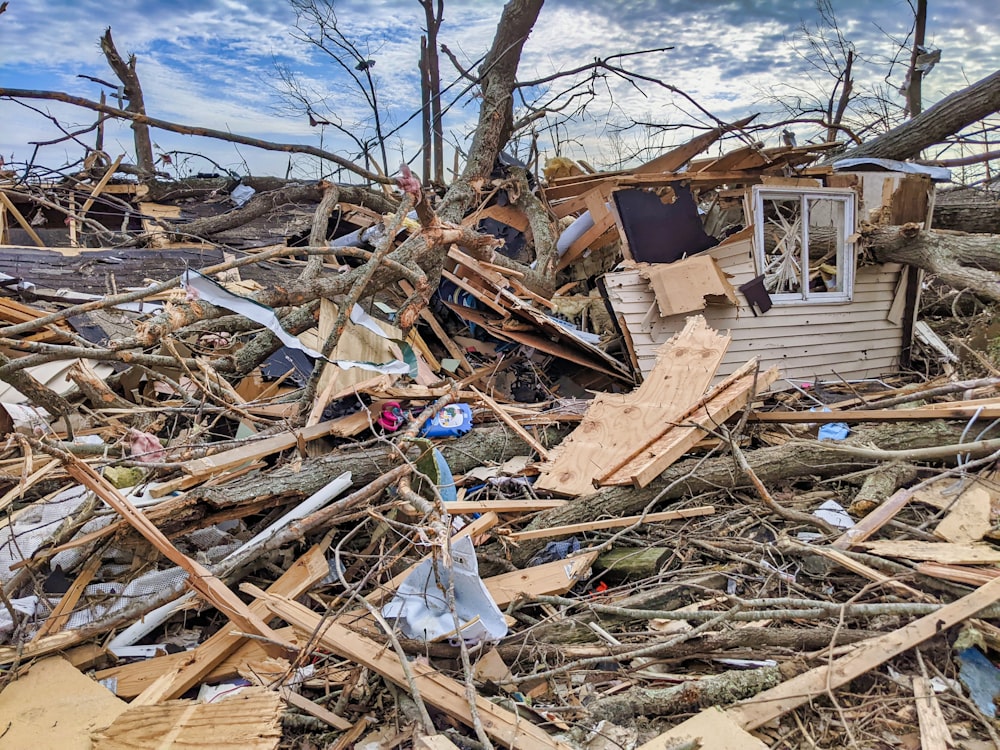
57,702
688,285
713,728
249,720
609,431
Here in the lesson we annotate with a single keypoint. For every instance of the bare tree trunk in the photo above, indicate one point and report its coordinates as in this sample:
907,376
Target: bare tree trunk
963,261
496,113
934,125
133,92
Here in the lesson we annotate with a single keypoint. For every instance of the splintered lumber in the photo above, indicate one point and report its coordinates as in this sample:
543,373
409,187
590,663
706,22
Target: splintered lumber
877,415
863,657
62,611
556,577
731,395
437,690
464,507
512,423
611,523
934,732
314,709
20,219
346,426
249,720
299,578
940,552
711,729
200,579
131,679
685,366
969,518
55,705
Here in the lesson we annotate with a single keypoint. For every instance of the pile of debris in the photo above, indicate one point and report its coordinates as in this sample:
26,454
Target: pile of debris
690,494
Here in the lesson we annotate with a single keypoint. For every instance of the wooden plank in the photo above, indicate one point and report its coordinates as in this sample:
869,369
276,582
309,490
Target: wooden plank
99,187
685,367
940,552
258,449
512,423
875,415
132,679
465,507
431,320
62,611
555,577
958,574
611,523
969,517
934,732
727,399
875,520
436,689
200,579
849,563
20,219
314,709
249,720
299,578
435,742
863,657
679,156
596,201
477,293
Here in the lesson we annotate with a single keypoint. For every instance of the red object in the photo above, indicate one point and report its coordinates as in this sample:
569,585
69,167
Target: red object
392,417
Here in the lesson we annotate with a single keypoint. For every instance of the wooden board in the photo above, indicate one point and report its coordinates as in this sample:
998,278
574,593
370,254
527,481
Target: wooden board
299,578
255,450
436,689
556,577
465,507
611,523
249,720
941,552
133,678
712,728
54,705
934,732
876,415
862,657
685,367
686,431
969,517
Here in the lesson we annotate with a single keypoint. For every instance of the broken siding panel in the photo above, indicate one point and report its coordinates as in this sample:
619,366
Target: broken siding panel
851,340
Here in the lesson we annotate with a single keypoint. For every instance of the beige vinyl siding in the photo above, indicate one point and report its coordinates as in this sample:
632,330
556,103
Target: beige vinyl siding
850,340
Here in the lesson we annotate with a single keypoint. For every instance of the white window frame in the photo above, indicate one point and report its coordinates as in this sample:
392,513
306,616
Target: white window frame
846,196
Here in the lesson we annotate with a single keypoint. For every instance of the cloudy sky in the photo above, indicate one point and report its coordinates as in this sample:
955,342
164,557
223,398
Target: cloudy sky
220,64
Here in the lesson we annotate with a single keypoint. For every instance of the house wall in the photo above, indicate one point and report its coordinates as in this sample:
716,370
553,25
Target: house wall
853,340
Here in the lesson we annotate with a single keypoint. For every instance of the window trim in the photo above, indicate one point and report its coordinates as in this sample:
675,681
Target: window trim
846,196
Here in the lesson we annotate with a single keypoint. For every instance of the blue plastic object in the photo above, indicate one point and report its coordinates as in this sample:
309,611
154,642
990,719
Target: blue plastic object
446,481
452,420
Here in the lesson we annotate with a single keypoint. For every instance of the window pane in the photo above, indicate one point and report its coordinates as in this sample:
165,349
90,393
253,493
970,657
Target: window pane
827,242
782,245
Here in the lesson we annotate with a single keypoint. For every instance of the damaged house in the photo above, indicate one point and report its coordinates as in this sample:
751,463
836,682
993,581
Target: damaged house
787,278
